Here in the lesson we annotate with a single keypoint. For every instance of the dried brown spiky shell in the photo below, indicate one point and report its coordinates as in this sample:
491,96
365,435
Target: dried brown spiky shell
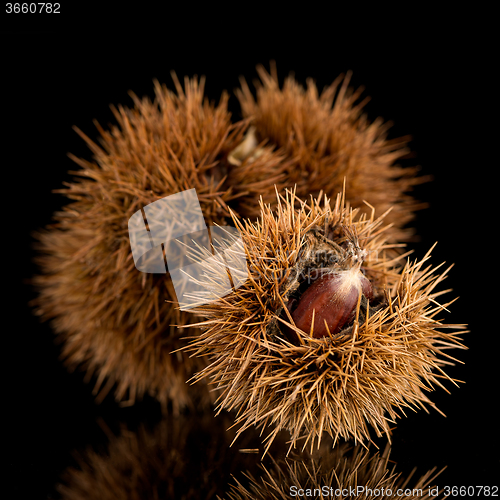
343,386
329,140
113,320
343,468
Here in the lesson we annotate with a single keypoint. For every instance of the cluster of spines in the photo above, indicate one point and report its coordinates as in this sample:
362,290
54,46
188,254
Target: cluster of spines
344,385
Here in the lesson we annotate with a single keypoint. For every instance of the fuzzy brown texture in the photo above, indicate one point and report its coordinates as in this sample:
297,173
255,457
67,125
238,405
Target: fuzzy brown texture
329,139
342,469
117,323
120,325
381,363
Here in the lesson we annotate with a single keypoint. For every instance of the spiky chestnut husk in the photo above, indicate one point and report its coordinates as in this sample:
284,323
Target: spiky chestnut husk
329,140
343,384
343,469
116,323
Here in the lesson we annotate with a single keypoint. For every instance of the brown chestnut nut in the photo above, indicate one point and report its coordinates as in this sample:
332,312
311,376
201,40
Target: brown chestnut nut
333,298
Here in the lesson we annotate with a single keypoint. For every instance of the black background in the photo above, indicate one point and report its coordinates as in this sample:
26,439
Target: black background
431,79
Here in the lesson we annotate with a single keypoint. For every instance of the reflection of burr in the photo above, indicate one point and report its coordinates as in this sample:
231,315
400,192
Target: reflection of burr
188,458
342,473
388,351
191,458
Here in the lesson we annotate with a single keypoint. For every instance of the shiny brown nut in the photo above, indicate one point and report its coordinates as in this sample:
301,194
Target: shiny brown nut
332,299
